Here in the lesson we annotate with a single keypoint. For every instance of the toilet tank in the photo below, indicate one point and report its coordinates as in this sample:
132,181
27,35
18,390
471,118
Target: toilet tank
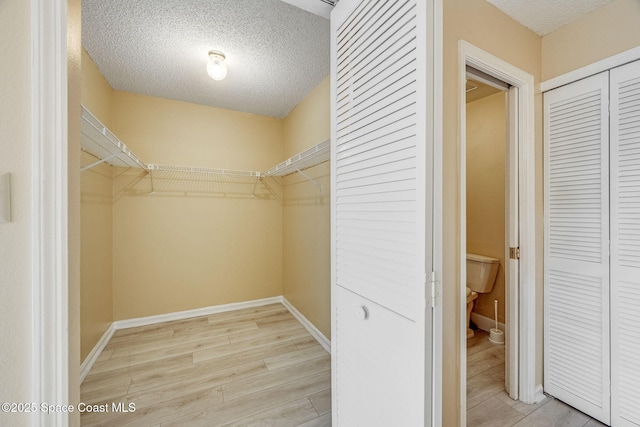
481,272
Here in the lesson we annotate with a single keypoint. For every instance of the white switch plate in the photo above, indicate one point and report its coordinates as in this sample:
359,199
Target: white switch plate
5,197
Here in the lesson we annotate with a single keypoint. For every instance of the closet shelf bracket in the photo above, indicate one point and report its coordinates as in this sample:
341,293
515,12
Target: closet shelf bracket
103,160
311,180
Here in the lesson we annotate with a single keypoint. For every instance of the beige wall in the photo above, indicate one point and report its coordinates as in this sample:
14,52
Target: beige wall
486,152
306,214
484,26
96,256
604,32
96,265
15,152
172,252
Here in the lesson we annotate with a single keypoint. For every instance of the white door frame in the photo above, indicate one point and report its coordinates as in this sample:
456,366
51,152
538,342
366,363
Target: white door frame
49,253
522,299
437,126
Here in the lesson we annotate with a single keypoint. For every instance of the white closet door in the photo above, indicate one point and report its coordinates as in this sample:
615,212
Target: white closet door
381,214
625,245
576,330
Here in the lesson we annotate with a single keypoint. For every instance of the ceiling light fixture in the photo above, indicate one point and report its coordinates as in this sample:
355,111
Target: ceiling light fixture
216,68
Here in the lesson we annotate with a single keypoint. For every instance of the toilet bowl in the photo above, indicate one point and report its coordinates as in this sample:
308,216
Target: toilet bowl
481,275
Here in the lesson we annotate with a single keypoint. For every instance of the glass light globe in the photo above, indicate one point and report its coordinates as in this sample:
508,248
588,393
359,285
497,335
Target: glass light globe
216,67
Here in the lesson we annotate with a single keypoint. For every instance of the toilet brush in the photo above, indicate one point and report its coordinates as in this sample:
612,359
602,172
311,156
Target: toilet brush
496,336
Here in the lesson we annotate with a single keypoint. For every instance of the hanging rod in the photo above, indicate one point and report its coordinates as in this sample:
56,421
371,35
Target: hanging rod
203,171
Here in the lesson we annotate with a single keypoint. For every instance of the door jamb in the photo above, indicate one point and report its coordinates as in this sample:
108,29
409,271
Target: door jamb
525,296
49,221
437,40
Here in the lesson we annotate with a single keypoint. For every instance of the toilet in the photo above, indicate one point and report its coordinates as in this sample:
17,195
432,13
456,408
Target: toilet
481,275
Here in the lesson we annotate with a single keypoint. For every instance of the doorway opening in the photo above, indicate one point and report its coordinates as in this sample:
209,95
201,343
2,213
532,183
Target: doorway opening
489,210
521,348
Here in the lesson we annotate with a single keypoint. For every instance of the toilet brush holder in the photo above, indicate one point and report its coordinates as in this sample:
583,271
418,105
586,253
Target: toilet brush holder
496,336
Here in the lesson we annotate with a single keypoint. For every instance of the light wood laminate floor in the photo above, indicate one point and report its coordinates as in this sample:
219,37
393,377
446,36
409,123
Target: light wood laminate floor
488,405
248,367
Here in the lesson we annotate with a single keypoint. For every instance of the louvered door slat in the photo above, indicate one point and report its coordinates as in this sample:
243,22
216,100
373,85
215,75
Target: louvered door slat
388,47
625,244
385,32
576,245
387,97
381,206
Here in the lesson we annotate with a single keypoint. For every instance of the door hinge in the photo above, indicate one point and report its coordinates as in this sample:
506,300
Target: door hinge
433,289
514,253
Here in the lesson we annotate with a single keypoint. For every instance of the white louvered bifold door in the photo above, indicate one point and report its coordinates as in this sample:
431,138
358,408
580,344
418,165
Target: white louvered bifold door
625,245
381,214
576,318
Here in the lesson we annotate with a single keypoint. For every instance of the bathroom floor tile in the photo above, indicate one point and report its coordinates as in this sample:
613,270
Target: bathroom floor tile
519,406
479,342
554,414
484,360
489,405
594,423
484,385
493,412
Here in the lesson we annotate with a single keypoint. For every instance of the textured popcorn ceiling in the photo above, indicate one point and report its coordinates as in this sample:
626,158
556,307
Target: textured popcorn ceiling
546,16
276,53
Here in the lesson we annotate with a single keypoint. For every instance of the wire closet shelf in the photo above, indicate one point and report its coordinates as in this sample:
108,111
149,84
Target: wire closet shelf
169,178
98,141
312,157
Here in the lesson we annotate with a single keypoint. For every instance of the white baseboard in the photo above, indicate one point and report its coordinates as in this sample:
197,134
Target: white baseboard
315,333
93,355
485,323
91,358
538,394
204,311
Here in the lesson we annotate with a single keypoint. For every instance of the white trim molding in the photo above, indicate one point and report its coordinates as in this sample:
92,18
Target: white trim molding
592,69
187,314
524,297
437,233
538,394
310,327
95,352
49,159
